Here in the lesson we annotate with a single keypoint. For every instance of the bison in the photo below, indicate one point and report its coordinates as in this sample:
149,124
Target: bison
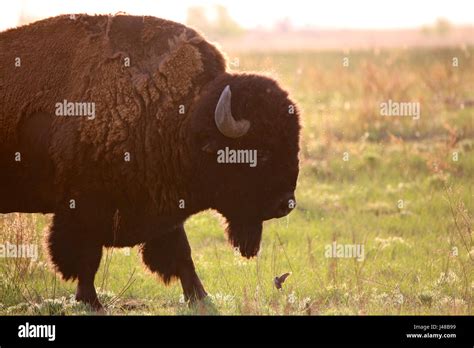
114,124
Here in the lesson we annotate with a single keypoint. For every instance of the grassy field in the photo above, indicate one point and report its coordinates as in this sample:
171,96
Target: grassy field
402,189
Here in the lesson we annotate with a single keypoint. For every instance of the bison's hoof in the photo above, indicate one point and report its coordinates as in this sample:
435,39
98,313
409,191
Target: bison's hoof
195,297
92,301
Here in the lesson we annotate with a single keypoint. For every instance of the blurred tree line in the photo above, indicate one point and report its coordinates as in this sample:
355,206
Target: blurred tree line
222,26
441,27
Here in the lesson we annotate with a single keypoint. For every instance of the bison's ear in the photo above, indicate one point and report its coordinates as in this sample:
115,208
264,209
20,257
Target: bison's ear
209,143
210,146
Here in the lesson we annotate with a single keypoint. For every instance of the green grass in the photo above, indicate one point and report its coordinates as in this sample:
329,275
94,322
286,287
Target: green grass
399,194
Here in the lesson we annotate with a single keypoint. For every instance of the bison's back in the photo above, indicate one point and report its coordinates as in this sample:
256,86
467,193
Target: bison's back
44,62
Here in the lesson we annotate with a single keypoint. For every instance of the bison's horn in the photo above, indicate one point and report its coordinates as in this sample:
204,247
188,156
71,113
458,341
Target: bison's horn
225,122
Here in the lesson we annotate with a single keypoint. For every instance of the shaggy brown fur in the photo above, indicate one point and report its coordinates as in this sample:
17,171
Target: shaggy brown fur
137,106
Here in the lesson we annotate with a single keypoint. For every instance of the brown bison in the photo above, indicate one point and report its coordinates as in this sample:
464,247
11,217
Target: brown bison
125,126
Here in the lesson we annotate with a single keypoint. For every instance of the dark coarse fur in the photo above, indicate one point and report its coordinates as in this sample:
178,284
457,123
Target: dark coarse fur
125,203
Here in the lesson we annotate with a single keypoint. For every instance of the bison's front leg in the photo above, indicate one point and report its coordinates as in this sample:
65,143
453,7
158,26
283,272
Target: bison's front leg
85,292
75,250
170,256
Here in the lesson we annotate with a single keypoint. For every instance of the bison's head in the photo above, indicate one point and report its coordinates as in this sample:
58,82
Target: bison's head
247,119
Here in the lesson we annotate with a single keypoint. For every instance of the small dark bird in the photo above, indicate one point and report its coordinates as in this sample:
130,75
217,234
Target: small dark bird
278,281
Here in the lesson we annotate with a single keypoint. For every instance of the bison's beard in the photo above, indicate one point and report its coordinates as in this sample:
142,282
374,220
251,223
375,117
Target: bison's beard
246,236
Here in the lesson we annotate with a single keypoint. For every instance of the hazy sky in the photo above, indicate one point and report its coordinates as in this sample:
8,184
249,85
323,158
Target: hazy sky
253,13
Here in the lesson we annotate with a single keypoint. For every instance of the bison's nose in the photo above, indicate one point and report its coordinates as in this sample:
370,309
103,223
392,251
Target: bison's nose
286,205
